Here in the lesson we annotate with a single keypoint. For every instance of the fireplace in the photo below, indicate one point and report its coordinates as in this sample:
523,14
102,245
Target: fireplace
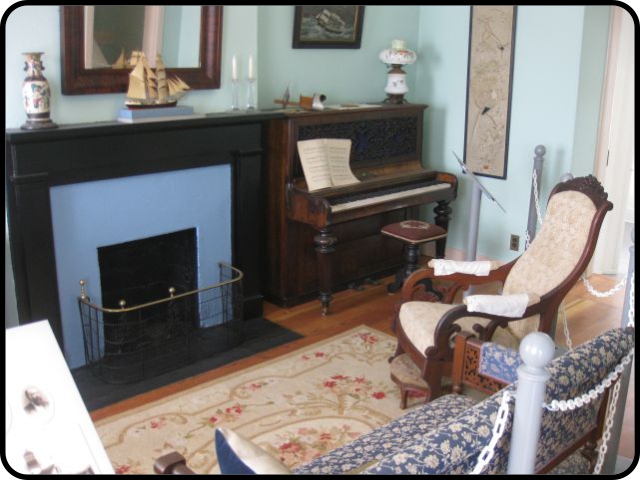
142,272
138,208
71,179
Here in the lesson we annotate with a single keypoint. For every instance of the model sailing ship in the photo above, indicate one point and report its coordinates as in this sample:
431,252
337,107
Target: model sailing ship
330,21
149,89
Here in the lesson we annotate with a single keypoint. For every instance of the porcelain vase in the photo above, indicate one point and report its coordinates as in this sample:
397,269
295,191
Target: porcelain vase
36,94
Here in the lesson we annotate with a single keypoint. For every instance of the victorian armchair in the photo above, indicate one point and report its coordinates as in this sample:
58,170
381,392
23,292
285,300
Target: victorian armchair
546,272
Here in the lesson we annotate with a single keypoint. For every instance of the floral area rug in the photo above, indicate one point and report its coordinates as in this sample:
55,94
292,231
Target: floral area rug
298,406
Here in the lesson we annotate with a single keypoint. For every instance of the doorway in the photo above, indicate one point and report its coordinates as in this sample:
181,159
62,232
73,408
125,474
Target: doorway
615,151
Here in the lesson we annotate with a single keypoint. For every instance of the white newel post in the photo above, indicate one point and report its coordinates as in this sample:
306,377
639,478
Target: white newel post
536,350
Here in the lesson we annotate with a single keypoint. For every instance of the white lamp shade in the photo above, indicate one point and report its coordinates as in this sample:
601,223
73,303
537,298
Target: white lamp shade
398,54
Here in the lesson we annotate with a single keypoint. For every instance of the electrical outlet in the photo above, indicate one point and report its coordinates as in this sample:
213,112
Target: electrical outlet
514,243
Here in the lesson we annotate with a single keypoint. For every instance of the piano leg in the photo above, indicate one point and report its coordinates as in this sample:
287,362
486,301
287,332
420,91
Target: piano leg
325,245
443,215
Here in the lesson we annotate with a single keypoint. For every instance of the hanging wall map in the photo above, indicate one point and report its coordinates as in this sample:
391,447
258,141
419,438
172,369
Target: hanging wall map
491,48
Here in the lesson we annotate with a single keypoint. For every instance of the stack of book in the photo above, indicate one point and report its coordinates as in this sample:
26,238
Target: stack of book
157,114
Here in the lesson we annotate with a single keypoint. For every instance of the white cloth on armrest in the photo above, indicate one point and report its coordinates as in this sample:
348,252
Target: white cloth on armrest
512,306
447,267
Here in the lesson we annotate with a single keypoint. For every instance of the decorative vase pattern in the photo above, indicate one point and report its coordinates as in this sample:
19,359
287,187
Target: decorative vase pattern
36,94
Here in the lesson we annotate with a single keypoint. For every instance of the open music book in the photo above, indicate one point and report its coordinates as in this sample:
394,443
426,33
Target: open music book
325,162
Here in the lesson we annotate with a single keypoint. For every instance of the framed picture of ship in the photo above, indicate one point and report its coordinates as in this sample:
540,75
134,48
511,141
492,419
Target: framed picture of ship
328,26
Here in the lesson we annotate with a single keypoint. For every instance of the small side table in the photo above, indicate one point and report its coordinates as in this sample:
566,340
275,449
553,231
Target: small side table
413,233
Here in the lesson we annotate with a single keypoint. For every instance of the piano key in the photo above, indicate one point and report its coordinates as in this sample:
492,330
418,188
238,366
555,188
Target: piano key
388,197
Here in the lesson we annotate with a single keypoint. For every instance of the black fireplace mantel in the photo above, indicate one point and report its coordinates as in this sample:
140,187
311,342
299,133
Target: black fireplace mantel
38,160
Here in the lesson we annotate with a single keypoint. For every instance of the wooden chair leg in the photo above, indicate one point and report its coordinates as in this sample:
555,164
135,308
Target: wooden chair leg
172,463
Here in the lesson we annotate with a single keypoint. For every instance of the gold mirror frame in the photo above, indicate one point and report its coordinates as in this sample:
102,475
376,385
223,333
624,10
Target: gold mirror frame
78,80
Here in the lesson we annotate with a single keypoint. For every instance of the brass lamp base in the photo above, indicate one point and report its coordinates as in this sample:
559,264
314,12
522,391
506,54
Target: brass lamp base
395,98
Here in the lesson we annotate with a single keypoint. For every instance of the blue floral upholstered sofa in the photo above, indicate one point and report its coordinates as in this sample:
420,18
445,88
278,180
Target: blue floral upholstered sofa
447,435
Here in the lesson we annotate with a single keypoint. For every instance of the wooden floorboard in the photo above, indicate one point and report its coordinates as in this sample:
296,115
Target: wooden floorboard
587,316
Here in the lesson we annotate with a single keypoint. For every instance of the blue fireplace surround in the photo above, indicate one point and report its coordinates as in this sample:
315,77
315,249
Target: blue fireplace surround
39,161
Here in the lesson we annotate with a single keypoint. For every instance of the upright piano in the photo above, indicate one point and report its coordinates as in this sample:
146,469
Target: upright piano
322,241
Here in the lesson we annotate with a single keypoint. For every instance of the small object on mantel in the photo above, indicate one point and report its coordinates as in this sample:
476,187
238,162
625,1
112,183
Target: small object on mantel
306,103
36,94
152,89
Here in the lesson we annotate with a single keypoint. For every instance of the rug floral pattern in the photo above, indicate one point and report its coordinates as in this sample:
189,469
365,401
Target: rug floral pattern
298,407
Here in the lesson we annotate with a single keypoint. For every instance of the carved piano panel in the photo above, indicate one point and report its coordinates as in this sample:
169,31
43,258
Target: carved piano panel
309,243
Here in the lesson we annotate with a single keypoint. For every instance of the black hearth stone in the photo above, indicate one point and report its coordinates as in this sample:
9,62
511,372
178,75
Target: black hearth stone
260,335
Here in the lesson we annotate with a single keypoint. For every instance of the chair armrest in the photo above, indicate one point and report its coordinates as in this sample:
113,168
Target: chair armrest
503,305
414,287
447,327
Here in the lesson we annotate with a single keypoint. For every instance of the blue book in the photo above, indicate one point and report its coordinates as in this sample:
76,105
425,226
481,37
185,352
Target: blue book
132,114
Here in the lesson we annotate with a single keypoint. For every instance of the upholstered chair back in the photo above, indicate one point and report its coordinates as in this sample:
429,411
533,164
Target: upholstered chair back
554,253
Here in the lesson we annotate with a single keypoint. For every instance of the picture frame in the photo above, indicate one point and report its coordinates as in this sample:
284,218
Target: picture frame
328,26
489,87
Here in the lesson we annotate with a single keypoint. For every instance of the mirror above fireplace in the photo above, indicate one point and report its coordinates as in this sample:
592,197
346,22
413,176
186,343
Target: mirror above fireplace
81,74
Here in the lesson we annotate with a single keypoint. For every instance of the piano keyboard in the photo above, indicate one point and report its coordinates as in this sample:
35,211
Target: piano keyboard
350,203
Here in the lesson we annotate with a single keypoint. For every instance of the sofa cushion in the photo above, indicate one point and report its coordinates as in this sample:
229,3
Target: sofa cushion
389,438
239,456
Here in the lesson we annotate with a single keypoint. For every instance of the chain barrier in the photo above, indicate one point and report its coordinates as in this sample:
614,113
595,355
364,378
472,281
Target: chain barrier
632,301
608,293
536,199
584,399
565,327
606,435
498,429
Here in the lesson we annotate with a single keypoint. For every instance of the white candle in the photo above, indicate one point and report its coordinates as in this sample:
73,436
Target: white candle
234,68
250,69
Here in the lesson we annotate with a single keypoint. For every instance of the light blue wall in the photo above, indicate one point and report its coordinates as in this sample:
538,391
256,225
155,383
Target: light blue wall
343,75
546,80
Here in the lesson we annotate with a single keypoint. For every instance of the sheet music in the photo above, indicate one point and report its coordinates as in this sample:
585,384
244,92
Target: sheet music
338,154
313,156
325,162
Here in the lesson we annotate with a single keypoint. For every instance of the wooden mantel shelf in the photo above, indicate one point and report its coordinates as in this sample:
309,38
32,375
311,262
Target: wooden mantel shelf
117,128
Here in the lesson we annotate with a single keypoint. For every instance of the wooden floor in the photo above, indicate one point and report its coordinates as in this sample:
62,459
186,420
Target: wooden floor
587,317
